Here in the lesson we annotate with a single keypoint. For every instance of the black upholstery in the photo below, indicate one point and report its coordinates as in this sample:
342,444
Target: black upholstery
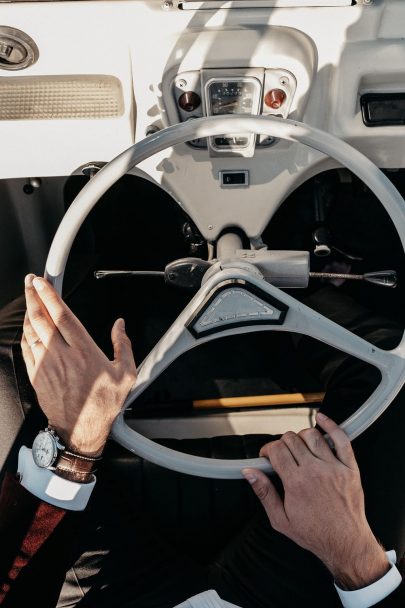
197,515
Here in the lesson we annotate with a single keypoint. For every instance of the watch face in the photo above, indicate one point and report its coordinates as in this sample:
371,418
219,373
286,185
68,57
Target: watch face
44,450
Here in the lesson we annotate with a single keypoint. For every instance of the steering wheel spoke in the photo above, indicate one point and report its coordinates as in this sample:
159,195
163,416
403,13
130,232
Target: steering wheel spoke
304,320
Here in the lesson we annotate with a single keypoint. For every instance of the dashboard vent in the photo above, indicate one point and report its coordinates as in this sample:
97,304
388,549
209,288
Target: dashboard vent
60,97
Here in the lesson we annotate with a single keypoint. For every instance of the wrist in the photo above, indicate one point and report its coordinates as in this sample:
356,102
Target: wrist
78,444
76,467
50,488
78,461
361,567
76,476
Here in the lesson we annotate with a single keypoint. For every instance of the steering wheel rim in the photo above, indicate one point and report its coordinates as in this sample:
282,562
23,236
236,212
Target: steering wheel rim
390,363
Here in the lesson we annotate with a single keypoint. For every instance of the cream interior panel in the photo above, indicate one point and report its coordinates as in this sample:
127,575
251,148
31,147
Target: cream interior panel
331,51
73,39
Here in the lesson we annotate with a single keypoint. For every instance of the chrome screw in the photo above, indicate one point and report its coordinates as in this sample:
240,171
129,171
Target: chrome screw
181,83
167,5
284,80
91,169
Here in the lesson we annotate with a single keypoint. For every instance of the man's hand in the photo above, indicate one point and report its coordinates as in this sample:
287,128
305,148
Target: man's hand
78,388
323,505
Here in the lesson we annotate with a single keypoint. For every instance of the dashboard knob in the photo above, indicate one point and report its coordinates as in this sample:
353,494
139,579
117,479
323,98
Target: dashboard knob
189,101
275,98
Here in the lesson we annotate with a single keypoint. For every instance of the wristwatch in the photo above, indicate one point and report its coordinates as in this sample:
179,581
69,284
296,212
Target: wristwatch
49,453
46,448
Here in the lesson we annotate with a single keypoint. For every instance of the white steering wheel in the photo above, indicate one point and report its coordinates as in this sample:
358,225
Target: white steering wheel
231,290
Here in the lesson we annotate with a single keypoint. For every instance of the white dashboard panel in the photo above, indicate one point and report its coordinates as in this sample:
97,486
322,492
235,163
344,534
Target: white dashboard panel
334,53
80,42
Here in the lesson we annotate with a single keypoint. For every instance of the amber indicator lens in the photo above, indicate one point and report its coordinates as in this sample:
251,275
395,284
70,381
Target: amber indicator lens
189,101
275,98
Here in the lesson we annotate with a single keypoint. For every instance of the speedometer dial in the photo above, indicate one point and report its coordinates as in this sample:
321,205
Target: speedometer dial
232,97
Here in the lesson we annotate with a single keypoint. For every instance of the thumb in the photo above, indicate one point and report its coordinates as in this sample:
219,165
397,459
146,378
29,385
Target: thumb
122,346
268,496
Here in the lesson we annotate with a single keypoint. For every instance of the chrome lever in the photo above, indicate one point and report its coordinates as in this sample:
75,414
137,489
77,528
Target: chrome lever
102,274
384,278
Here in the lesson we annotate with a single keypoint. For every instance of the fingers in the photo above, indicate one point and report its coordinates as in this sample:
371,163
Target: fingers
297,447
122,346
28,357
303,447
38,323
29,333
32,340
280,457
268,496
67,324
317,444
343,447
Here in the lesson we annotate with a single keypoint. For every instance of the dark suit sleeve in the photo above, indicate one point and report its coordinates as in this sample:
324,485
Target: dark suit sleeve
38,543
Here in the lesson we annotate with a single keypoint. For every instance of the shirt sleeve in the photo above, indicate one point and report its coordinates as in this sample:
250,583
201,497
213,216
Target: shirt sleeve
371,595
51,488
207,599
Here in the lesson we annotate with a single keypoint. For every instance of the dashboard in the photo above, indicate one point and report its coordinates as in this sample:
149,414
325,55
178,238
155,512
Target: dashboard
135,67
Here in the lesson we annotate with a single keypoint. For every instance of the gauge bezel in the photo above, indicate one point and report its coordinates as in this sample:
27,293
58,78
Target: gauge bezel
256,106
238,79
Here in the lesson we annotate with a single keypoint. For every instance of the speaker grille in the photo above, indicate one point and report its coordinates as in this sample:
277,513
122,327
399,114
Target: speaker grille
60,97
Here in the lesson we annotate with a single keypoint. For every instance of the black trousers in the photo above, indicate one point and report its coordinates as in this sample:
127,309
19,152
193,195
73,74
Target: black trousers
126,561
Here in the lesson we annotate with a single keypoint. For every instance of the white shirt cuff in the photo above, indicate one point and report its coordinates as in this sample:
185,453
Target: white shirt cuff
51,488
207,599
371,595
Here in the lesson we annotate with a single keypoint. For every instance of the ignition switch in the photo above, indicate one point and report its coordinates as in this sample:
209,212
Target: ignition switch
17,49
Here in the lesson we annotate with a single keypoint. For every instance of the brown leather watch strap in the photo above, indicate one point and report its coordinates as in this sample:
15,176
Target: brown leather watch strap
75,467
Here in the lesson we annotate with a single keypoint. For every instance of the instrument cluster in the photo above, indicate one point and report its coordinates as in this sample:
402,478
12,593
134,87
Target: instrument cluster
213,92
